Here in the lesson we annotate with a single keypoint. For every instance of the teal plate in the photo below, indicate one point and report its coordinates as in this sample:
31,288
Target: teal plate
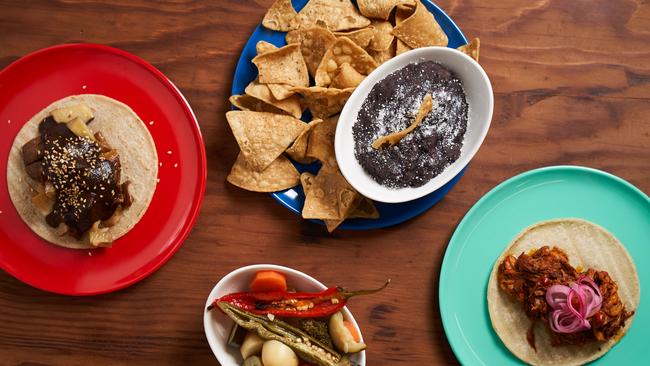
537,195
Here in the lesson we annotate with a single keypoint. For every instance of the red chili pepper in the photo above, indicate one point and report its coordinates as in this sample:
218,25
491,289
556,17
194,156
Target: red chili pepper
293,304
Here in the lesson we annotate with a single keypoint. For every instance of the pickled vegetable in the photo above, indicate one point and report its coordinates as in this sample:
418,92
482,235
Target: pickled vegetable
252,361
342,337
252,345
237,335
306,347
275,353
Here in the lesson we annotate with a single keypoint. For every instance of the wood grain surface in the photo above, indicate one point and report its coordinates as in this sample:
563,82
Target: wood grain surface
572,86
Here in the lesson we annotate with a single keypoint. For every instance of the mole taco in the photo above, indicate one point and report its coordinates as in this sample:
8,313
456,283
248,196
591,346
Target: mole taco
563,293
82,171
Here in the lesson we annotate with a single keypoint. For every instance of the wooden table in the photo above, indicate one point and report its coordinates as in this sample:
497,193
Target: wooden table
572,86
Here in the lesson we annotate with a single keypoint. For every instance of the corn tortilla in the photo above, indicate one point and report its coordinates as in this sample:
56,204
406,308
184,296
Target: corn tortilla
125,132
588,246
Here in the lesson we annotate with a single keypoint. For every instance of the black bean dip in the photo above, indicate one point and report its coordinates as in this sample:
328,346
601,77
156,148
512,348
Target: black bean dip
392,105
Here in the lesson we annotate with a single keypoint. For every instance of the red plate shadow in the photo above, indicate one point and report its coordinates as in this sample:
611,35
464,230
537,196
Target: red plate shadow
38,79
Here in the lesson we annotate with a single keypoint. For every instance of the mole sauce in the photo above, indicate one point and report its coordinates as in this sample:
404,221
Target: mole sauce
86,181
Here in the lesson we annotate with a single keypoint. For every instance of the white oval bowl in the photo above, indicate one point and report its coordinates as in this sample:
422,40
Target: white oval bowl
478,91
217,325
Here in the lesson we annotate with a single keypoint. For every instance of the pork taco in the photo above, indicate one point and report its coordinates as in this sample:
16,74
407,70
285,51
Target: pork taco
564,292
82,172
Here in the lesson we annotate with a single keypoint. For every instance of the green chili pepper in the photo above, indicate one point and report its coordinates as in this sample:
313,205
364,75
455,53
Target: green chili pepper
306,347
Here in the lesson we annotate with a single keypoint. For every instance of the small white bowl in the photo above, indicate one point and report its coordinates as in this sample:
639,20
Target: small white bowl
478,91
217,325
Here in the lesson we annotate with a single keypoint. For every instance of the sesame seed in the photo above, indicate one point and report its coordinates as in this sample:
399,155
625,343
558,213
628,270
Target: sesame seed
150,123
169,152
90,254
157,180
83,87
8,121
175,165
160,164
75,192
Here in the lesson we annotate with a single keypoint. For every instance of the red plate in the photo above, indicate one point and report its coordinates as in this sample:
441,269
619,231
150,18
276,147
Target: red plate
38,79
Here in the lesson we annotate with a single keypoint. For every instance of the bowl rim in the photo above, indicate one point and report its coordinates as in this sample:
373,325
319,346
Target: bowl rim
207,318
346,162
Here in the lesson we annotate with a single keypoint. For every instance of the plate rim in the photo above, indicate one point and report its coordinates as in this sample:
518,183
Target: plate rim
199,193
447,323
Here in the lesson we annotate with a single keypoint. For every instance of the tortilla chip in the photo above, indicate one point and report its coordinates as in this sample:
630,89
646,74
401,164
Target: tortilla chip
262,137
347,77
361,37
279,16
472,48
262,92
321,142
588,246
352,205
298,151
382,56
321,199
338,15
282,66
262,47
329,197
279,175
314,42
380,9
401,47
331,225
365,210
306,180
348,202
249,103
281,91
421,29
342,51
382,36
324,102
401,13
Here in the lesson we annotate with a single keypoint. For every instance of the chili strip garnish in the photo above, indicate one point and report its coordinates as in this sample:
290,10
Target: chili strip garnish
293,304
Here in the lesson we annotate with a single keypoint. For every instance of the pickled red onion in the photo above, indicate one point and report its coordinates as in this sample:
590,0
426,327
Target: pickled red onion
565,316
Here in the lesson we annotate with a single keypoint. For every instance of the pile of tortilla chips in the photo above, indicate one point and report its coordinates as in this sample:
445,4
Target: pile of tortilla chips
336,44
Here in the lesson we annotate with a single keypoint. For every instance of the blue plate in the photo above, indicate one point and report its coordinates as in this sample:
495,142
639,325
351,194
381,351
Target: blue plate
293,198
486,230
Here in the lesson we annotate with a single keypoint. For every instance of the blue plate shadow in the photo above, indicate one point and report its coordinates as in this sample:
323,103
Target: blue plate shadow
293,198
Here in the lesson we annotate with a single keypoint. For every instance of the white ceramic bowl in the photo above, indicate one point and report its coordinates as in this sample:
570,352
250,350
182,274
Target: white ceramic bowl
478,91
217,325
